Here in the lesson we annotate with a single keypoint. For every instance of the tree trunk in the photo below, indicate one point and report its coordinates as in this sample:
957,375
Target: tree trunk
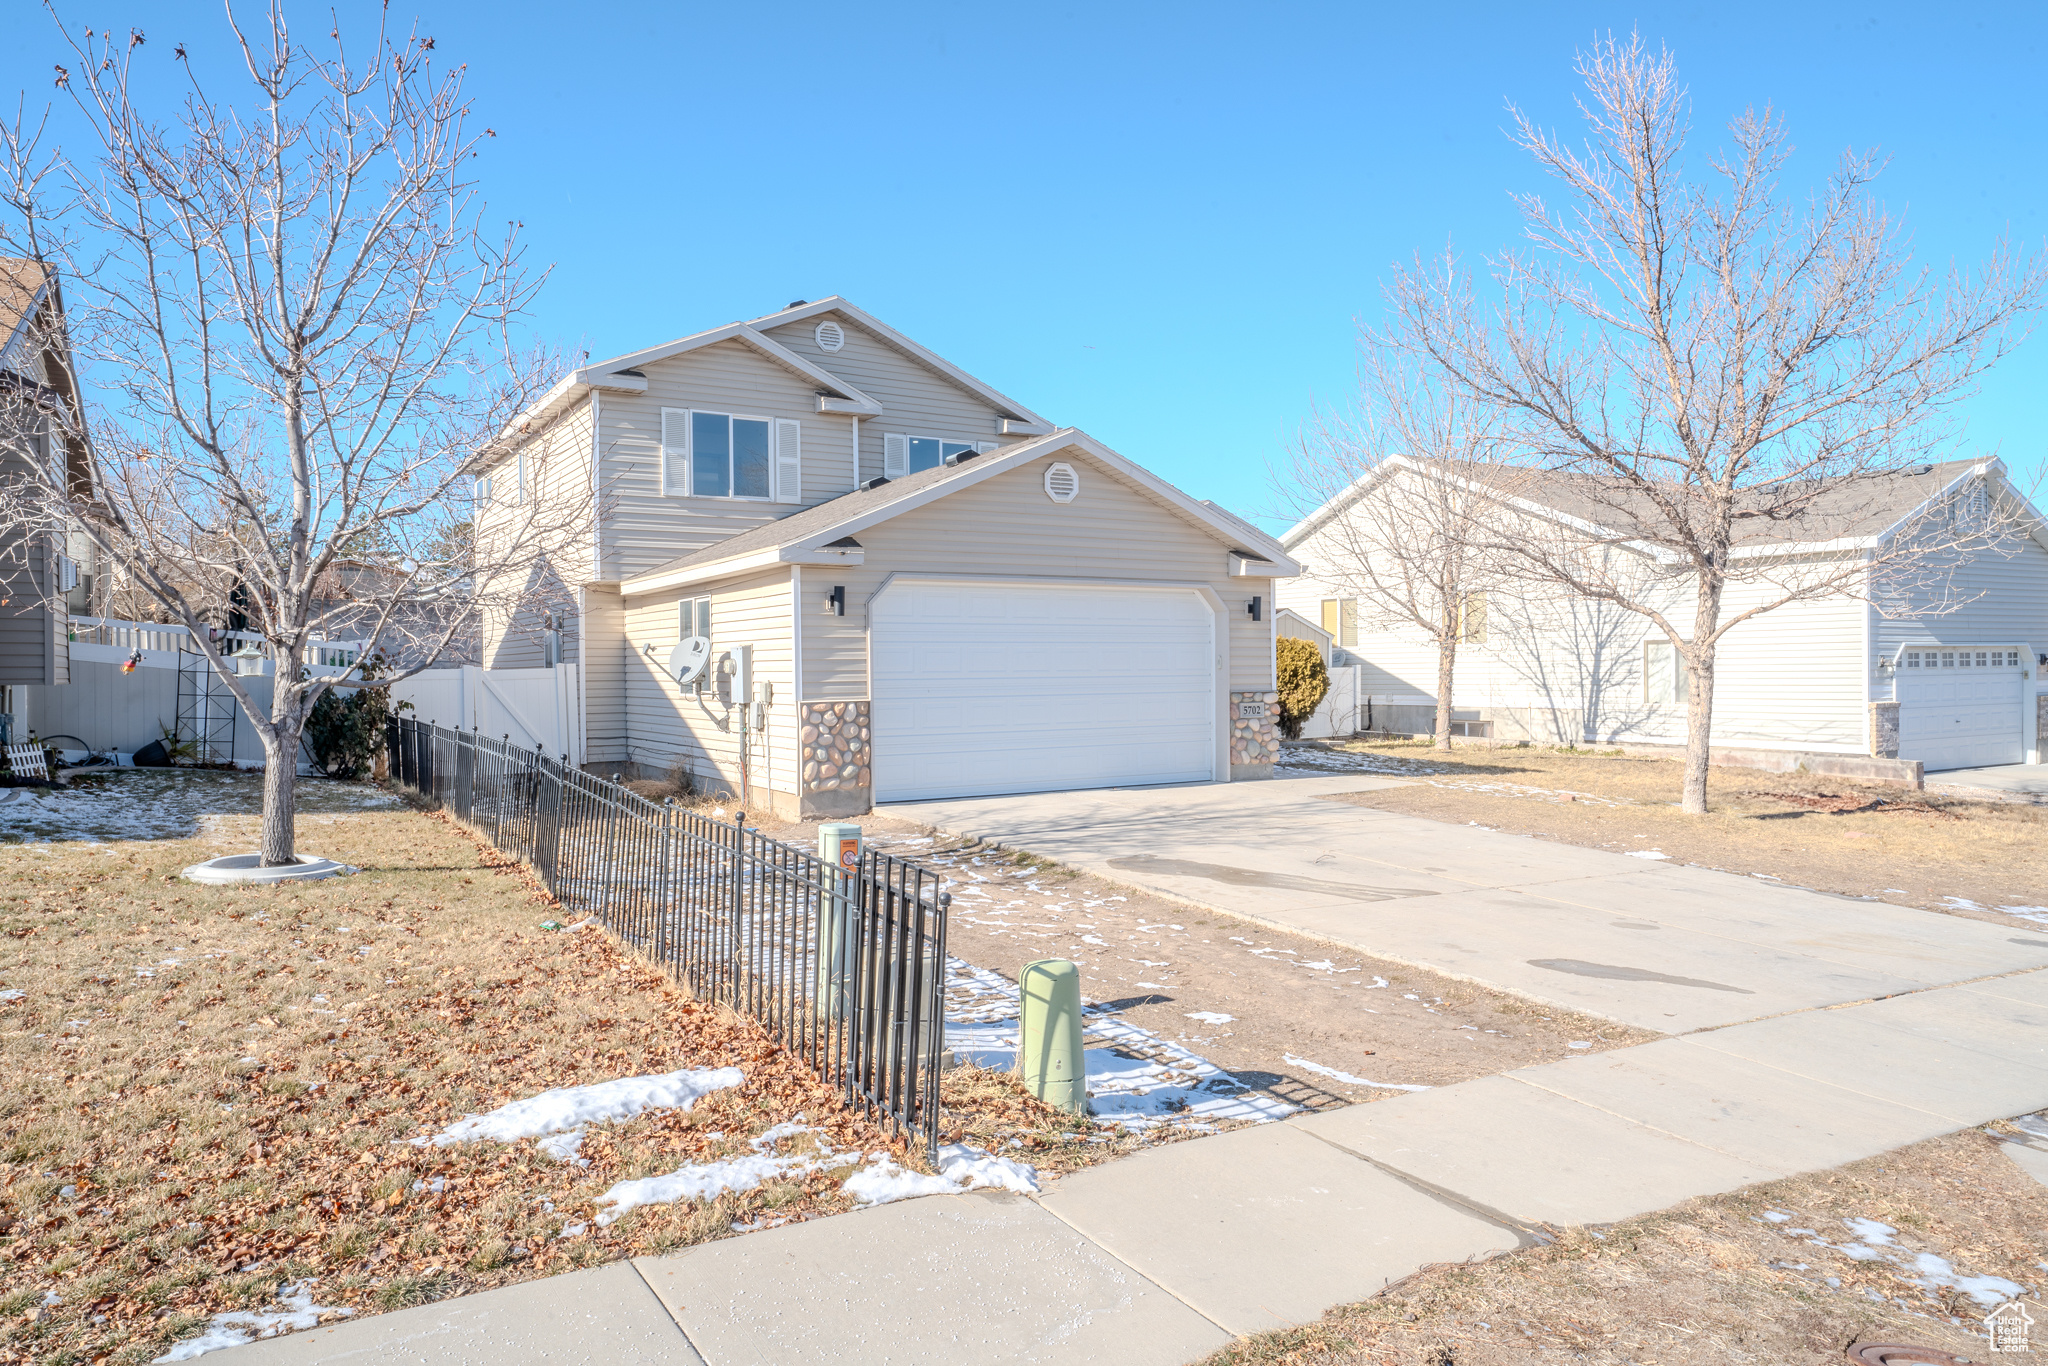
1446,670
280,799
1699,733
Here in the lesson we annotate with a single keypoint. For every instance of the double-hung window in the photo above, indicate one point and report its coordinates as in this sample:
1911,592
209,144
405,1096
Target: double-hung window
1340,620
696,618
730,455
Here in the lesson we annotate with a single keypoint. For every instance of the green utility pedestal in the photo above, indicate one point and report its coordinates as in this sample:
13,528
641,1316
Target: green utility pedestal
1050,1055
839,851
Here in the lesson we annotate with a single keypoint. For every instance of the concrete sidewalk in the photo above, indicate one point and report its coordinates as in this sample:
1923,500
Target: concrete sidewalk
1166,1256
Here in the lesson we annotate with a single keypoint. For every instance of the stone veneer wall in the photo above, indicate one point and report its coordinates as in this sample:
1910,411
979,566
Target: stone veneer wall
1254,740
835,743
1884,730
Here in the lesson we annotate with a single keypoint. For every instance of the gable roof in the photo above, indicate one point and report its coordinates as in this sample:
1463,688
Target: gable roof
835,395
1856,513
1018,415
24,285
805,537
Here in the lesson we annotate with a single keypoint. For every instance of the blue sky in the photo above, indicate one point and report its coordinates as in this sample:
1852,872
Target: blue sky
1159,223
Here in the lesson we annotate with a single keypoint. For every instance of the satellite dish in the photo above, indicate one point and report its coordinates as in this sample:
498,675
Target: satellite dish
688,660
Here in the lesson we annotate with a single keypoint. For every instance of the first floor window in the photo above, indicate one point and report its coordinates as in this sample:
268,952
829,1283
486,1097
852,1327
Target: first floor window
1472,619
1664,678
696,617
1340,619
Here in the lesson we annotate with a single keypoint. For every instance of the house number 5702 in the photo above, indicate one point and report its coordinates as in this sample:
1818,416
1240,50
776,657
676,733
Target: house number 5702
1251,711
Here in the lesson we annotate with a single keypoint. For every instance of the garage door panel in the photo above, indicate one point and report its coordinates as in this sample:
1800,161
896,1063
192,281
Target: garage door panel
1010,687
1955,715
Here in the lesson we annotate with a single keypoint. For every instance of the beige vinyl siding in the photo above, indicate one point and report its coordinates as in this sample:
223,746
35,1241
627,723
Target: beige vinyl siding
1006,525
558,477
666,722
644,527
603,659
915,400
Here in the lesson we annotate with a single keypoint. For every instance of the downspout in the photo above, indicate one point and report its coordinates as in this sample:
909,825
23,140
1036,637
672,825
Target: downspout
856,451
585,637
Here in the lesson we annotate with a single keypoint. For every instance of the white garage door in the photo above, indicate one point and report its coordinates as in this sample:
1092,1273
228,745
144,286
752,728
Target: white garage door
1960,708
1008,687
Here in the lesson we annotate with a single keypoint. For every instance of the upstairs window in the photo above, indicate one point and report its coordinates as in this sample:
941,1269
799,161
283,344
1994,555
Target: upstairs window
904,454
730,455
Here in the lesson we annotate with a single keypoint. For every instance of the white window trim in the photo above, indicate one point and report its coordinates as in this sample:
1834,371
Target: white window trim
689,417
1680,681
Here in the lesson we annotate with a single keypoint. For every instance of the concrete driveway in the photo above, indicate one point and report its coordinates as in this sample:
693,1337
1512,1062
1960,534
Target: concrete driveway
1663,947
2028,778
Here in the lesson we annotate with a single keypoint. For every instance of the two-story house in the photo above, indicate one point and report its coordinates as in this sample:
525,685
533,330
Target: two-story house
42,576
913,586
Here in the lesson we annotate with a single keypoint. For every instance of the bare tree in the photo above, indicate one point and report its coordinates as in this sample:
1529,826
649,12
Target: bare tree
1723,382
306,339
1398,492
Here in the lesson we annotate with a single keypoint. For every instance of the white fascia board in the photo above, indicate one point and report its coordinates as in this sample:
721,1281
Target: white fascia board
1358,488
741,564
1011,426
999,401
861,407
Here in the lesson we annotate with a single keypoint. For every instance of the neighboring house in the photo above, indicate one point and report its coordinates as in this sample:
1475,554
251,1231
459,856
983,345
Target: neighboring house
933,591
42,577
1834,675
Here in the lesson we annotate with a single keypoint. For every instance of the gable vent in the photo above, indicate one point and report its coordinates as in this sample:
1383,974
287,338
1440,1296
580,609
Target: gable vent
831,336
1061,483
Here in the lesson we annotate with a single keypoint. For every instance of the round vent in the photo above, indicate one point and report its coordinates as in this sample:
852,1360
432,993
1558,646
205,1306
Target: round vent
831,336
1061,483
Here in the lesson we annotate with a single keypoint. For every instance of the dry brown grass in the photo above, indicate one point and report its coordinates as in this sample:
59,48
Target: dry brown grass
1908,848
1713,1283
220,1079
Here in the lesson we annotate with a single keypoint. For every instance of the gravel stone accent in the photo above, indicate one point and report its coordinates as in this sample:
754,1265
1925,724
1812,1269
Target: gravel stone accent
836,751
1255,741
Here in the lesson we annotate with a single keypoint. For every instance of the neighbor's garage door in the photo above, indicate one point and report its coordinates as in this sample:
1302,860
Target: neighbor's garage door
1960,708
1011,687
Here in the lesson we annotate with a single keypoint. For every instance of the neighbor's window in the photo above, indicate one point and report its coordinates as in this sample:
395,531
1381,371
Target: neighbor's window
1472,619
1340,619
928,452
1663,672
904,454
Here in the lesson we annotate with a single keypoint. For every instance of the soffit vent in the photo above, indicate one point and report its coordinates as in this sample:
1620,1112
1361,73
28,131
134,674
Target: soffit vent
1061,483
831,336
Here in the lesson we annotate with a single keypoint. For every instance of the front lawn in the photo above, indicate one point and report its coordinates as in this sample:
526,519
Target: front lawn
1980,858
210,1092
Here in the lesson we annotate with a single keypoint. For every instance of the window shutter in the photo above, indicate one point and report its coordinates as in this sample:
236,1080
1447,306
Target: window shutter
675,452
519,494
895,455
789,465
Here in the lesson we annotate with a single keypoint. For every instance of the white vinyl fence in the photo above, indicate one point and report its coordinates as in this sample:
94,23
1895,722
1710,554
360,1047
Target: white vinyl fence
532,708
1337,716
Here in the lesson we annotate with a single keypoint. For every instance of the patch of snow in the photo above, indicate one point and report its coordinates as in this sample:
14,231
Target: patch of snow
1647,853
1214,1017
1580,1043
2038,914
12,994
700,1181
1961,903
1305,1065
238,1327
566,1110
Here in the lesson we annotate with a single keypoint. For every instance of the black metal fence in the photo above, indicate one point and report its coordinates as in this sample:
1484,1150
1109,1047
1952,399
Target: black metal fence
844,967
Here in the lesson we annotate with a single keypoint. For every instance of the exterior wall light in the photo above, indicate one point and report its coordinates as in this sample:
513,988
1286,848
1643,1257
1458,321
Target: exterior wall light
1251,609
835,601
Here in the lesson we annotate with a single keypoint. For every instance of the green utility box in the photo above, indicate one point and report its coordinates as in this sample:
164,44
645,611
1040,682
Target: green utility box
1050,1054
839,851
